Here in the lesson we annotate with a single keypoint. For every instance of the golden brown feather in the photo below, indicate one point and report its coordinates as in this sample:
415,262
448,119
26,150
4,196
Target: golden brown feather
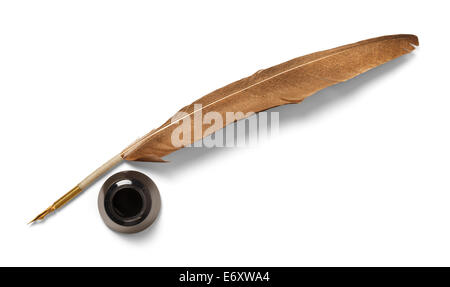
286,83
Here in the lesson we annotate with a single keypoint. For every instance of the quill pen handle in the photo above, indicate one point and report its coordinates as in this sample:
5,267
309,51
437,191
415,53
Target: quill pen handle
80,187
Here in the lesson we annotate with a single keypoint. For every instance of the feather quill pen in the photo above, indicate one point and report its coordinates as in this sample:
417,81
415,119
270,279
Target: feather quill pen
287,83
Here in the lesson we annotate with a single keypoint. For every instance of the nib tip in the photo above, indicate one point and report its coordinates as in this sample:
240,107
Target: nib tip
42,215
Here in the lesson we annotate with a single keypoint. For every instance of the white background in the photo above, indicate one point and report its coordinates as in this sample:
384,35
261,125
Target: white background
358,175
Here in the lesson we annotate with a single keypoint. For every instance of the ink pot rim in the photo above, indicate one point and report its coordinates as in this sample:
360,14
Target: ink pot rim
129,202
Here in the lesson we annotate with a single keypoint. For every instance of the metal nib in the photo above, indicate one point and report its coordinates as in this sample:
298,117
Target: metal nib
43,214
57,204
